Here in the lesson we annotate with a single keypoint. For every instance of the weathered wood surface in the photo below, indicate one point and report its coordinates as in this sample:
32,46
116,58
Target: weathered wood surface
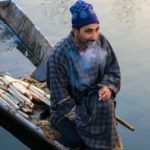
16,124
24,28
5,2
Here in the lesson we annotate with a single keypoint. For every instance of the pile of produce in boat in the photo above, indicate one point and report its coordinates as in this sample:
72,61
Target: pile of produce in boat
20,94
29,98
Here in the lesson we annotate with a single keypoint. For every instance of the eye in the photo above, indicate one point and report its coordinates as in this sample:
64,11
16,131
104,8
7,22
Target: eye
88,31
97,30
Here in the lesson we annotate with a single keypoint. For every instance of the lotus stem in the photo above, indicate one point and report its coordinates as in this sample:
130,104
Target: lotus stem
2,94
23,114
17,94
36,92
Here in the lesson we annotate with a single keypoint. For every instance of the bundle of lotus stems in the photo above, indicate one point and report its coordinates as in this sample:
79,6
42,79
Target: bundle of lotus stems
18,94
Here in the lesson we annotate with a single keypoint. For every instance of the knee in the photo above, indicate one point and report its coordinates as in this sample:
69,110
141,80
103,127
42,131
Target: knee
72,142
69,136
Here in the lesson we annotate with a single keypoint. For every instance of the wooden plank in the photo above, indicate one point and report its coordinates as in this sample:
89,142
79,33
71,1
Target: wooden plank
27,32
29,136
4,2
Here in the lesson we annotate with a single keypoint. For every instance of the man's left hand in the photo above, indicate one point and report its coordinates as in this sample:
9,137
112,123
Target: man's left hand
104,93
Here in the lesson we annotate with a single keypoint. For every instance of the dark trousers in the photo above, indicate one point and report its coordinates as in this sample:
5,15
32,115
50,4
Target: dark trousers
69,136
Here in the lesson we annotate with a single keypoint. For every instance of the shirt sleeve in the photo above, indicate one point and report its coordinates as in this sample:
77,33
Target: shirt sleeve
58,83
112,76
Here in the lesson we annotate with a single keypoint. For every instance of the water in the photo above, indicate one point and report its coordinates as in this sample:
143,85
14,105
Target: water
126,24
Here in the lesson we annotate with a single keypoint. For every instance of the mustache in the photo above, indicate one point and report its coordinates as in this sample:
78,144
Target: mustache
86,41
91,40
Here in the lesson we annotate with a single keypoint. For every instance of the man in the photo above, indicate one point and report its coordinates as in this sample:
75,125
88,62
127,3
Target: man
83,76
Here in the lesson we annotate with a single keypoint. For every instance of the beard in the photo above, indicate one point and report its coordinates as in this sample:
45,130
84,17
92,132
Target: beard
86,42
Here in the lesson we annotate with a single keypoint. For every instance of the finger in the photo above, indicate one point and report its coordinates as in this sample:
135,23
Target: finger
104,96
103,93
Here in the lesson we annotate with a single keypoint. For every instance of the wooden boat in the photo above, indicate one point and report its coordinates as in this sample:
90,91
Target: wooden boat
22,49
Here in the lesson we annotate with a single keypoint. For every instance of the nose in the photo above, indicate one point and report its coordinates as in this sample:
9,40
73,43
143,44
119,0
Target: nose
94,36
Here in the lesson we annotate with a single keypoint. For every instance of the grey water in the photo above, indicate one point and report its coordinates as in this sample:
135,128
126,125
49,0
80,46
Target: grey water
126,24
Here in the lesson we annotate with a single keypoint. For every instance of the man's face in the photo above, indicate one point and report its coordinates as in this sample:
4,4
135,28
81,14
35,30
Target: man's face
87,34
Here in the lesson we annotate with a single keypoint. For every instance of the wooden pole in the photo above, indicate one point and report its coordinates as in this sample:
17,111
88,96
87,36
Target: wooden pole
125,123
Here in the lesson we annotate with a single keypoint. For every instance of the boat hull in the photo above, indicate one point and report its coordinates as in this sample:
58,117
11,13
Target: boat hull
25,133
29,41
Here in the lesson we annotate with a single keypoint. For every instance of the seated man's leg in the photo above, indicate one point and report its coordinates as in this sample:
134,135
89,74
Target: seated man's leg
96,123
69,136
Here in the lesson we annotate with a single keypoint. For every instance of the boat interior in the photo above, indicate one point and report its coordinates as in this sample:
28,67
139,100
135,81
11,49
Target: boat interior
18,59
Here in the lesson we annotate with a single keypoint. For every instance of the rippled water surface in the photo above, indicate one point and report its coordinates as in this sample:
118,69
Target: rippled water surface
126,23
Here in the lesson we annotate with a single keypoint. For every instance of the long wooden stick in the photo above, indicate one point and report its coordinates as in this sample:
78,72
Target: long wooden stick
125,123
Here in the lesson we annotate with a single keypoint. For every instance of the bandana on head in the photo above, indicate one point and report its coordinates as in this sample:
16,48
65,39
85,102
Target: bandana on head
82,14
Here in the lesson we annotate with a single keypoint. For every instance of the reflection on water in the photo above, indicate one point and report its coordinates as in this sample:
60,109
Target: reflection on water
125,11
57,10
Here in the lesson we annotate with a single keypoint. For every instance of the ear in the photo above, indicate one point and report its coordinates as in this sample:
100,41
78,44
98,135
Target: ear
75,31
